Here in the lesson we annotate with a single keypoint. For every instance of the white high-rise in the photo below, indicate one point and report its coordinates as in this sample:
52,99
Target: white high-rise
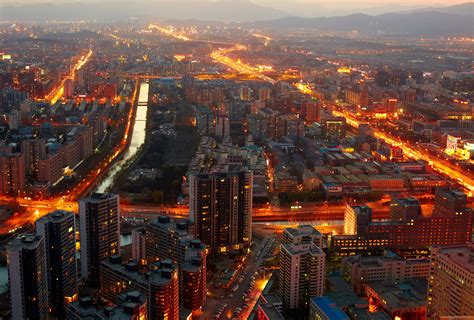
302,268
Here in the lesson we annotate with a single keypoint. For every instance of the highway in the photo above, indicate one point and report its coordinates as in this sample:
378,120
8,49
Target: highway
416,153
220,55
58,92
67,201
410,150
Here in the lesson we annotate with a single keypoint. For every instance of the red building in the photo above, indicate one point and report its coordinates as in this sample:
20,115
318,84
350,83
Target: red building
447,228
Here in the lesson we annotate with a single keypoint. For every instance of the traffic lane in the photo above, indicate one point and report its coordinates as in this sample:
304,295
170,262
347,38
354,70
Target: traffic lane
236,300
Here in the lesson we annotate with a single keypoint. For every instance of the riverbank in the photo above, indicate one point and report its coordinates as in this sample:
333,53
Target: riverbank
137,139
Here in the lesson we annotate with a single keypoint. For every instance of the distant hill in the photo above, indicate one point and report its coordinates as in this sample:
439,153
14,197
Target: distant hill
110,11
463,9
451,20
420,23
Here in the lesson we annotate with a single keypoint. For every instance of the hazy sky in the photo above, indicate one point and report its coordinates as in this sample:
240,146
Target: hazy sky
333,3
304,8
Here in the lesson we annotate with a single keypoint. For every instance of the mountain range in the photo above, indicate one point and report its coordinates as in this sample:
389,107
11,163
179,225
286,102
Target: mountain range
429,23
451,20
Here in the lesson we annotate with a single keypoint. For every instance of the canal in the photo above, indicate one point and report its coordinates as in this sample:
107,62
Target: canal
137,140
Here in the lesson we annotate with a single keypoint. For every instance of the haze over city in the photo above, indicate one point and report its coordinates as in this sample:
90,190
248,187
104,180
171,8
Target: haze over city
230,10
261,160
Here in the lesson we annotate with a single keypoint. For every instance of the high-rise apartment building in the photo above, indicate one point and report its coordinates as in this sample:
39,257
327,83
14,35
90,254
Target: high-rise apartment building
356,219
164,292
50,168
451,282
158,281
173,239
302,272
193,282
27,274
14,120
99,217
33,150
12,179
312,112
221,209
303,234
58,232
164,238
139,245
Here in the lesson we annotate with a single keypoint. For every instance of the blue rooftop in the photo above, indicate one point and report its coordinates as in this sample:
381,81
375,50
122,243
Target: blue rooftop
329,308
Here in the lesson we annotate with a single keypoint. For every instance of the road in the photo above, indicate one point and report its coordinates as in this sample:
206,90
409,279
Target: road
416,153
219,296
35,209
67,201
220,55
410,150
58,92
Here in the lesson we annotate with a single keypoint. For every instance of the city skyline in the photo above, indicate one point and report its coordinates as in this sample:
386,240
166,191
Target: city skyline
268,168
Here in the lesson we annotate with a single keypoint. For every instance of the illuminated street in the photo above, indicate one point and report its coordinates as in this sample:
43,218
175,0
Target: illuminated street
58,92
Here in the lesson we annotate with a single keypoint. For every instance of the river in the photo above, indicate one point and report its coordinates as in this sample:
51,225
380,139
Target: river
137,140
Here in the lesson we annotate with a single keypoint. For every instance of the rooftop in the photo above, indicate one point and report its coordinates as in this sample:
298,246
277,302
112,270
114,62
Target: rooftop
303,230
462,256
271,311
24,241
407,295
329,308
294,249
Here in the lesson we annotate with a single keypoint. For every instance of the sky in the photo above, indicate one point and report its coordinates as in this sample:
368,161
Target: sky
288,3
340,7
302,8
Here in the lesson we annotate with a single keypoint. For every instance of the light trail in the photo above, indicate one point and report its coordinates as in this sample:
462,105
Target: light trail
266,39
35,209
220,56
169,32
58,92
409,150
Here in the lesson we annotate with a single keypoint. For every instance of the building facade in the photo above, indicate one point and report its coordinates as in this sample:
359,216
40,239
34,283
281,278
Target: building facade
27,274
99,217
451,282
302,272
58,231
221,209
